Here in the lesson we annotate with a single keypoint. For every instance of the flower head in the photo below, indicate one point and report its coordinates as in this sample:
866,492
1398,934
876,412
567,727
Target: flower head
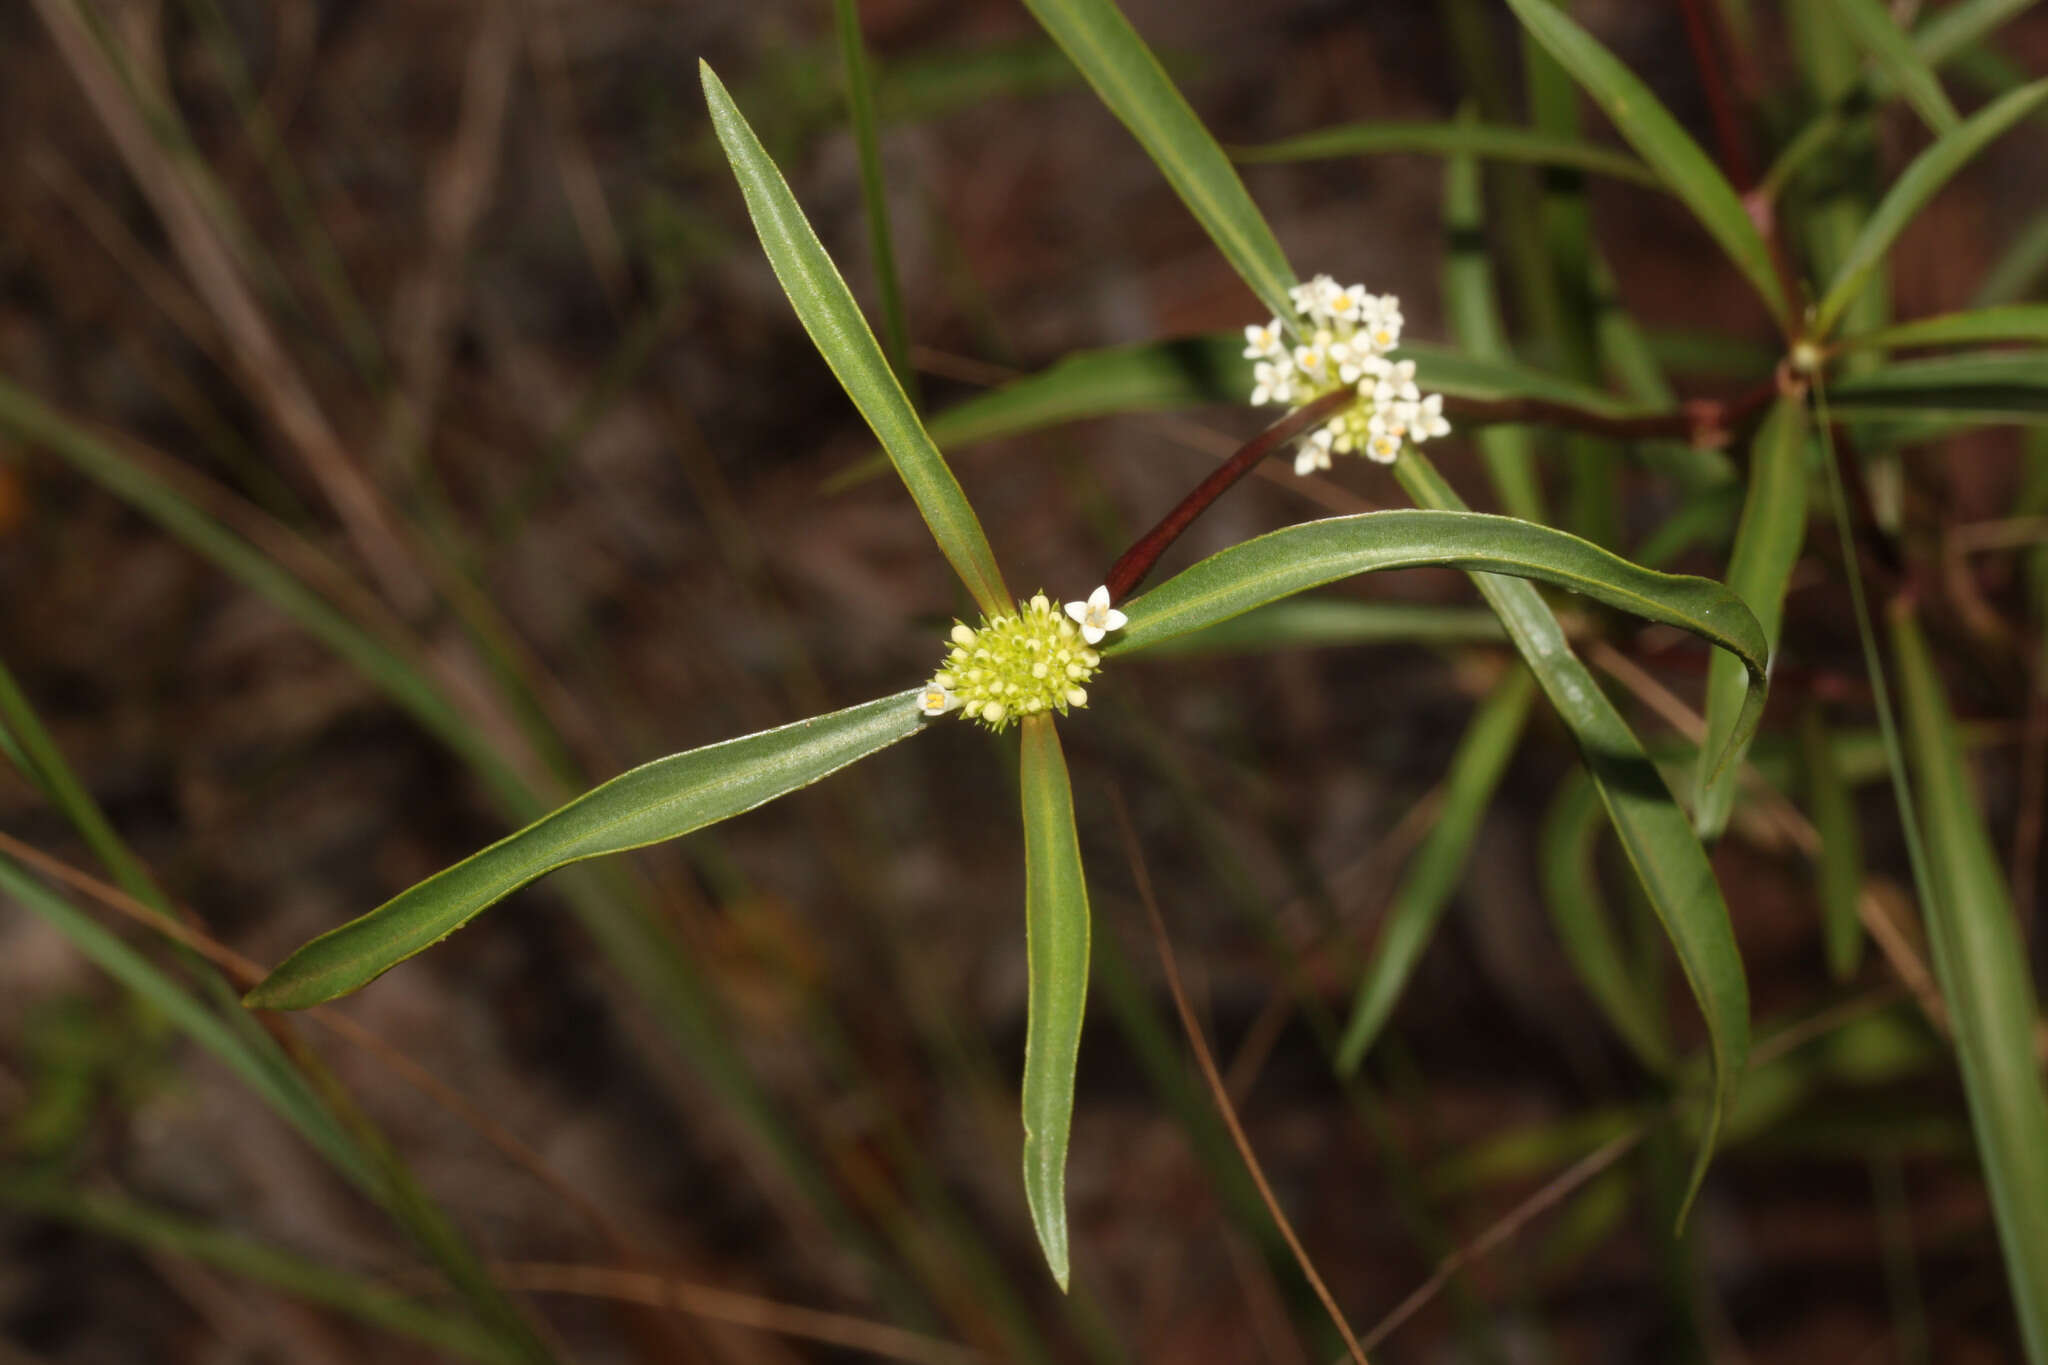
1017,664
1344,334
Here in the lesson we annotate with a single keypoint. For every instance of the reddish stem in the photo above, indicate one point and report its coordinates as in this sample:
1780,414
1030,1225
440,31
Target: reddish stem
1130,570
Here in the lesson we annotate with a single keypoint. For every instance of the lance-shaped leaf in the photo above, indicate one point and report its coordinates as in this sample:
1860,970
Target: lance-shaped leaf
1980,960
1488,141
1281,563
1910,192
1655,834
1872,25
656,801
1660,141
2010,322
826,308
1970,388
1439,865
1056,930
1129,79
1767,544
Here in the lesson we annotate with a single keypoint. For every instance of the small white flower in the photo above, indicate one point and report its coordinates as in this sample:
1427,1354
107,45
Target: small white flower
936,699
1272,382
1096,617
1347,305
1313,299
1263,343
1396,384
1425,419
1315,452
1312,358
1384,433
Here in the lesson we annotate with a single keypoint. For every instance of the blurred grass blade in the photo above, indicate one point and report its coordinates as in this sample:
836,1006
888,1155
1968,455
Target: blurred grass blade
828,312
1287,561
351,1295
1871,25
1472,300
656,801
1950,29
1971,387
2018,269
1056,927
1767,544
1833,811
1660,141
1316,622
1654,833
1129,79
1910,192
2011,322
1492,142
205,1028
860,108
1439,864
1571,893
1980,961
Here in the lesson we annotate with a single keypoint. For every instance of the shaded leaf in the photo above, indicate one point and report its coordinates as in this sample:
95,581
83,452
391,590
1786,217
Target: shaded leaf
1487,141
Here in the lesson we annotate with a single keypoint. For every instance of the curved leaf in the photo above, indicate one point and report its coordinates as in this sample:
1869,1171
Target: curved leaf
1129,79
1980,960
1655,834
1313,622
1571,893
1491,141
1439,865
1767,544
826,308
656,801
1974,387
1660,141
1287,561
1911,191
1872,25
2011,322
1056,928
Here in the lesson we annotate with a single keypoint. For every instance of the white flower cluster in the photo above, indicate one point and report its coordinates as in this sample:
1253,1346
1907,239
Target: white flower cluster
1347,334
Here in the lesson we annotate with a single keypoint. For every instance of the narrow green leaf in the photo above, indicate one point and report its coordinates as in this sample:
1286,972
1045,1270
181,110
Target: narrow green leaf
826,307
1472,300
1980,961
1315,622
860,108
1948,30
1439,864
1973,387
2012,322
1833,811
1129,79
1872,26
1056,928
1767,544
656,801
2018,269
1287,561
1655,834
1486,141
309,1281
1571,893
1660,141
1909,194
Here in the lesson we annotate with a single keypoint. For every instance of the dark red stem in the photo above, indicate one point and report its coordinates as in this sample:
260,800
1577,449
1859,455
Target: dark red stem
1130,570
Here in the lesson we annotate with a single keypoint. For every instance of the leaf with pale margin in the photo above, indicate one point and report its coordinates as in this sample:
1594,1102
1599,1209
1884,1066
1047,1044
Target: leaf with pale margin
827,310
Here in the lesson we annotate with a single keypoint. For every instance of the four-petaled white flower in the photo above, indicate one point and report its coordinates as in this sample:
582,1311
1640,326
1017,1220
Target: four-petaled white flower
1425,419
1315,451
1096,617
1272,382
936,699
1396,384
1263,343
